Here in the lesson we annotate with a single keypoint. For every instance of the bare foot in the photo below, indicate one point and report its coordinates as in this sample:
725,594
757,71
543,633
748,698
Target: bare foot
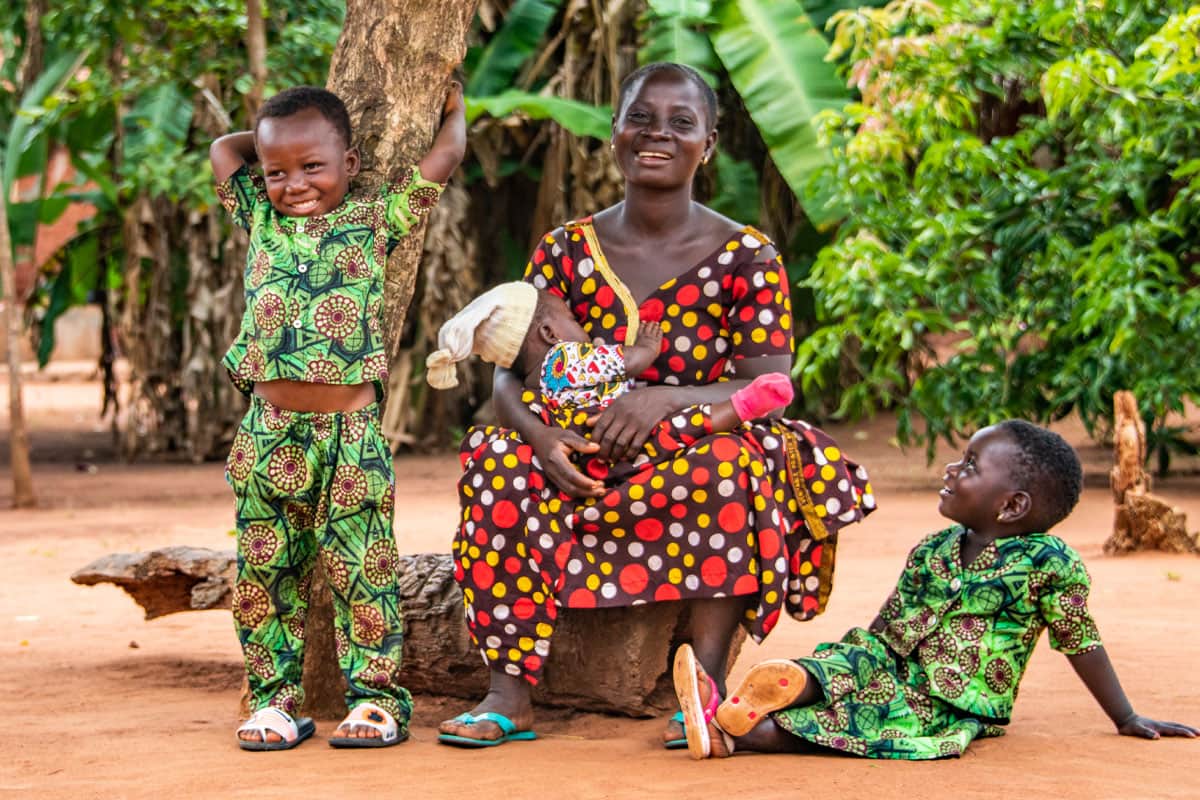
254,736
674,731
508,696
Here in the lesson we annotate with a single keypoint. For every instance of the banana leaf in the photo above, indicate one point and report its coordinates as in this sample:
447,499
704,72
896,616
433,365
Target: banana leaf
524,26
776,61
674,31
579,118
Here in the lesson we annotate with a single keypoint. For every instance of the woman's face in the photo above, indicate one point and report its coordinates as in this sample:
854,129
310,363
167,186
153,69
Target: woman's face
662,133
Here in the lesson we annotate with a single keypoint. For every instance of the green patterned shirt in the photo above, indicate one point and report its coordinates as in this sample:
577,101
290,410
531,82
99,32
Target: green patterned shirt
314,285
972,629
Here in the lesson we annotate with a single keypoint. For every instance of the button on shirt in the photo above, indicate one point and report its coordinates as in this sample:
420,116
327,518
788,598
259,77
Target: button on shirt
971,629
314,285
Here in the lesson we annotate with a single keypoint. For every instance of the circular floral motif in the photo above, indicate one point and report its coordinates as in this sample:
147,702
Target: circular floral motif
288,699
833,718
317,226
378,672
336,317
258,544
999,675
353,427
299,516
321,515
367,215
241,457
969,627
287,468
375,367
254,364
422,199
941,567
352,263
845,743
251,604
387,503
269,312
1067,632
938,648
338,572
879,690
258,660
950,749
368,624
295,626
892,733
380,563
968,660
275,418
341,645
322,427
322,370
1073,601
349,485
304,587
260,268
920,705
949,681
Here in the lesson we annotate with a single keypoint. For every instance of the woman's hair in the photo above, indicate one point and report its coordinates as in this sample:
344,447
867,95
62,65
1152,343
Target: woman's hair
1047,468
299,98
679,70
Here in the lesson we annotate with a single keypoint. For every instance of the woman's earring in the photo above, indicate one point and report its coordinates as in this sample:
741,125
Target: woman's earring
705,160
1000,517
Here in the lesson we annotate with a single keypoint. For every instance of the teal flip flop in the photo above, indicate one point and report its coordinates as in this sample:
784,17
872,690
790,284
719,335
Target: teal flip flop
508,731
681,742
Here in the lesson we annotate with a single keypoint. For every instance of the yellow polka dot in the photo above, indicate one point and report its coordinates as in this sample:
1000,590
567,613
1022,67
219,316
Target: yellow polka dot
609,320
492,558
785,321
666,326
760,503
675,575
596,311
673,310
469,595
514,654
544,630
703,520
737,337
673,549
611,516
770,597
768,576
521,551
510,460
832,453
588,286
699,496
820,507
700,353
828,472
492,655
497,482
731,245
618,533
757,469
606,568
758,335
593,582
725,469
637,491
489,464
669,284
806,567
473,552
591,557
469,492
715,311
697,419
499,590
679,466
548,271
554,504
538,597
772,276
525,643
657,482
524,584
690,319
688,559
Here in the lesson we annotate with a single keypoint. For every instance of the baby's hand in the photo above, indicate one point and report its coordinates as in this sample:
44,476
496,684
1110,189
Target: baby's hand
642,353
651,334
1148,728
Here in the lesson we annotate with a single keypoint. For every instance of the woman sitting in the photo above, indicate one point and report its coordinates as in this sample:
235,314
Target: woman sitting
741,524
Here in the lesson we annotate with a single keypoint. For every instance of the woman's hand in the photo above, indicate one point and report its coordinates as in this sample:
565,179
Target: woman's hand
553,447
622,428
1146,728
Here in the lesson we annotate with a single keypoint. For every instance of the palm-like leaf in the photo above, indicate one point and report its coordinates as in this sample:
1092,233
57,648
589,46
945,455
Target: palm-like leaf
524,26
579,118
673,33
776,60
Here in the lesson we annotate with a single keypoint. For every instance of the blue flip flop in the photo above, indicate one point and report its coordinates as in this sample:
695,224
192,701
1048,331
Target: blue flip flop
508,731
681,742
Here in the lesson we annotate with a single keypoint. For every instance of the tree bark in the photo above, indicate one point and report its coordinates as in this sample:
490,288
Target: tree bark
22,472
391,67
256,54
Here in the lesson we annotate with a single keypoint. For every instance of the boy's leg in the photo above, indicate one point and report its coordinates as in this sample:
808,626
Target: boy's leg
271,476
358,549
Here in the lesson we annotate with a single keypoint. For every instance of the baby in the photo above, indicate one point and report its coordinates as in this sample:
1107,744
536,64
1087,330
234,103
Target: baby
532,332
941,663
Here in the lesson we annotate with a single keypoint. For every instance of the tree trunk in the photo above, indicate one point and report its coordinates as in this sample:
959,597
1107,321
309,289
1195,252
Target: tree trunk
391,67
256,53
23,496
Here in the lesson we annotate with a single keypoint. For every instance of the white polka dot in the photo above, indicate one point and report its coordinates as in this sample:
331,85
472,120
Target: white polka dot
591,513
542,647
794,599
510,629
844,485
486,497
654,563
861,474
609,547
770,443
811,583
519,483
848,515
679,421
476,439
477,481
759,280
534,566
637,508
539,281
512,669
692,582
500,612
734,555
498,542
574,566
781,565
868,501
679,493
589,540
636,549
819,457
500,446
546,541
712,289
726,488
833,505
671,379
608,591
725,257
720,345
532,524
584,267
675,529
469,528
716,541
750,241
492,642
704,273
683,344
556,249
766,316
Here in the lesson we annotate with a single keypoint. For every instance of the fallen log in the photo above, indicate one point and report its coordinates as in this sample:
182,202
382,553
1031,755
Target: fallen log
612,660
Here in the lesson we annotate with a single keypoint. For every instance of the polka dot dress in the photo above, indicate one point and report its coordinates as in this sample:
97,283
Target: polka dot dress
753,513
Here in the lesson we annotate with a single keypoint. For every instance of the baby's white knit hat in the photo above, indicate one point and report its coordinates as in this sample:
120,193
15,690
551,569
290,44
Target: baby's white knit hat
493,326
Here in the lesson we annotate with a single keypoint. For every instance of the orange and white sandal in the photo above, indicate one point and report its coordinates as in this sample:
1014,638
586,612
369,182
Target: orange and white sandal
769,686
370,716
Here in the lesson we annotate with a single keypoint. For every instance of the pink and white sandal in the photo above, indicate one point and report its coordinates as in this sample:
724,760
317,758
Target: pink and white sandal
705,737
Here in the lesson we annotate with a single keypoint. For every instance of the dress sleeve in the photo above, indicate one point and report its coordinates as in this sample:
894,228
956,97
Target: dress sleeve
760,312
241,193
1064,607
547,267
408,200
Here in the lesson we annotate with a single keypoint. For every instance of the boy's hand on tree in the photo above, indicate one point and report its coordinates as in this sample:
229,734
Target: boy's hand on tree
454,100
1146,728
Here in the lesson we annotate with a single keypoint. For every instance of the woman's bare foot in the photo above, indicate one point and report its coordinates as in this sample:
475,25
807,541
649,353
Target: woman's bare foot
507,696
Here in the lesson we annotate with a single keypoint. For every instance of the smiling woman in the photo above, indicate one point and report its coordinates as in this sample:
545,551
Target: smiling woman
742,525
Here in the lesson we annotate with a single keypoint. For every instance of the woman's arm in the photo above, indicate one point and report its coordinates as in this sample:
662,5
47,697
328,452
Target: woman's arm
1098,675
622,429
553,446
450,143
230,152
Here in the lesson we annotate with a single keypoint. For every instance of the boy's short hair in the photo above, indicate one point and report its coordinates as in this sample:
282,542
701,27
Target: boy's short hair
1048,469
299,98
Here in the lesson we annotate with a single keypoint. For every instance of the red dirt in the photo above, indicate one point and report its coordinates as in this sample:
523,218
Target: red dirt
99,703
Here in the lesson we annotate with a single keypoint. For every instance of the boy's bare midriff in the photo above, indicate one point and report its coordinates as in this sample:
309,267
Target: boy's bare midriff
321,398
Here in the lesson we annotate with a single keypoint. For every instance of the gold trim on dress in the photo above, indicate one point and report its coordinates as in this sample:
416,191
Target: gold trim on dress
816,526
632,317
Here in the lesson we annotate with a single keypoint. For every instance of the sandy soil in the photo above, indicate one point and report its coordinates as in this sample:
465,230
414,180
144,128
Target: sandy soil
99,703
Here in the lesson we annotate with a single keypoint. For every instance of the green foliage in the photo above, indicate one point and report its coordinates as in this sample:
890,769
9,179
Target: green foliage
676,31
581,119
1021,180
513,44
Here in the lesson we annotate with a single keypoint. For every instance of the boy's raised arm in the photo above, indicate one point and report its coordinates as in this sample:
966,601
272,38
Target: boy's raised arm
231,151
1098,675
450,143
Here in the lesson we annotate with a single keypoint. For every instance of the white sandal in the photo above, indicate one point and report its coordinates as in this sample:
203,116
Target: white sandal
372,716
291,731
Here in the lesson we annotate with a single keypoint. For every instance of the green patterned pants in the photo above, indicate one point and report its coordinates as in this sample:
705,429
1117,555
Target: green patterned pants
310,486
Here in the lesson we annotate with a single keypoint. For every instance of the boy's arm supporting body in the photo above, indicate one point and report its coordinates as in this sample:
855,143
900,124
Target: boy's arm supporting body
1096,671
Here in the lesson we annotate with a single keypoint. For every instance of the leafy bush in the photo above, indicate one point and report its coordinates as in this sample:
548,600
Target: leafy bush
1021,180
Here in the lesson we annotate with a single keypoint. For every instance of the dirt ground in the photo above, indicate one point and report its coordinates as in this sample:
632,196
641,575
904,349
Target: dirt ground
99,703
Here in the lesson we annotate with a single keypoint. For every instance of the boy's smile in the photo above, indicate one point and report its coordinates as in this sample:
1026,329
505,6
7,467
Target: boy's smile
976,487
306,166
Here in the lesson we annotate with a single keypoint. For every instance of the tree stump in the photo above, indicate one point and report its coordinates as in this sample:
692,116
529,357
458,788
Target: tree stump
1142,521
612,660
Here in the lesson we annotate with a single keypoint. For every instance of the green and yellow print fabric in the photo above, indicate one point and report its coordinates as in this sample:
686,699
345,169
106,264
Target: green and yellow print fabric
314,285
947,665
311,486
